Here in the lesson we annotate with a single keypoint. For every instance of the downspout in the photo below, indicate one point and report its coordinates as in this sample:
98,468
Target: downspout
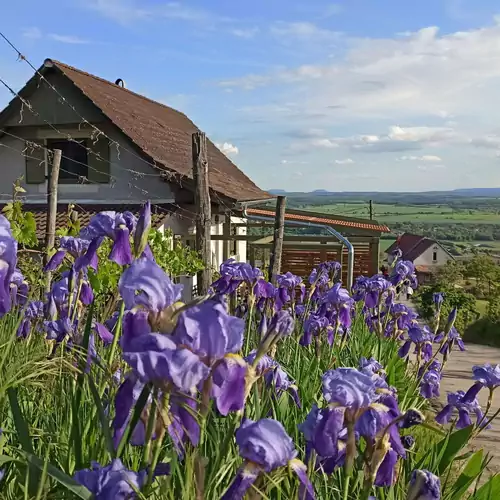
329,229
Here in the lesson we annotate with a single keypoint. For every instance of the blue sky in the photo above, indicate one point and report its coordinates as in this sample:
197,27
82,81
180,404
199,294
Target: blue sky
352,95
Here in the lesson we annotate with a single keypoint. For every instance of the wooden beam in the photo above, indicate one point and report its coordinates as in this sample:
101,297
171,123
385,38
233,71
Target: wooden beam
279,230
50,227
287,238
226,237
203,210
374,256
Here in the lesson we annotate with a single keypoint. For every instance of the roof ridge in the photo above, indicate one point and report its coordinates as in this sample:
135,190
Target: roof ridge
109,82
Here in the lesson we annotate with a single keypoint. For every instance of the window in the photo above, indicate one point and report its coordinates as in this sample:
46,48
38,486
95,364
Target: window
74,161
434,256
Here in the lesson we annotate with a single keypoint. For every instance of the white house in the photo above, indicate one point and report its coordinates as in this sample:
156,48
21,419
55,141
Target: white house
425,253
119,149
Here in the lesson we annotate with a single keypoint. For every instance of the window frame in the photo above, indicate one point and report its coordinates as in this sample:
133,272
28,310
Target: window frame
76,179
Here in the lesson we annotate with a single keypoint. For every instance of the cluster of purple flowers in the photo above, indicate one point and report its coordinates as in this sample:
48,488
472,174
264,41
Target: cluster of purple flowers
360,404
179,360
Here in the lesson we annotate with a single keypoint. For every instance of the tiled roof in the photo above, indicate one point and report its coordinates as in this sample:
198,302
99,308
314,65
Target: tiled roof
161,132
419,249
411,245
405,243
332,221
85,212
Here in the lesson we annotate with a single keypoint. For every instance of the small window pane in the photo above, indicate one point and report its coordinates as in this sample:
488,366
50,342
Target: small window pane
74,161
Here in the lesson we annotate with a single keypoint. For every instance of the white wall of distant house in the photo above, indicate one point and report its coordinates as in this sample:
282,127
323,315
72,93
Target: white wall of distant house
435,255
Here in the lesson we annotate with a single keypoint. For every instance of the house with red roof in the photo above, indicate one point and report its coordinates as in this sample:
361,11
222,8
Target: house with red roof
426,254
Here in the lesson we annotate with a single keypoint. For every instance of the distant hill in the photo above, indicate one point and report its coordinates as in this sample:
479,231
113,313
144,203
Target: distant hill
470,197
467,192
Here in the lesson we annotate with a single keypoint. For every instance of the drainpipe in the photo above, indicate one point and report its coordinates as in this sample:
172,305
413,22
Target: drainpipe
329,229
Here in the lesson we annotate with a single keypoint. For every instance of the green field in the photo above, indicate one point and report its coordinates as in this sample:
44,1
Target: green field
412,213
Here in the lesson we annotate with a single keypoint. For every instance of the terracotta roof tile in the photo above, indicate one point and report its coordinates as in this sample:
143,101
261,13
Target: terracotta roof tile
324,220
162,133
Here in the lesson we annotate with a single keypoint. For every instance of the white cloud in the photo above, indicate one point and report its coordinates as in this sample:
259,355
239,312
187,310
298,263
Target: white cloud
36,34
422,74
127,11
302,31
426,158
69,39
430,168
228,149
346,161
33,33
245,32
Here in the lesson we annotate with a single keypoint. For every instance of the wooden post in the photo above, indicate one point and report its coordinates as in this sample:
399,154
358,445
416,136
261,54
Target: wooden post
371,210
226,231
374,255
50,226
279,230
203,210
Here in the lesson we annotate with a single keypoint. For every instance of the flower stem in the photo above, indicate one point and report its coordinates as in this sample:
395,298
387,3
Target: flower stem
249,324
117,333
149,430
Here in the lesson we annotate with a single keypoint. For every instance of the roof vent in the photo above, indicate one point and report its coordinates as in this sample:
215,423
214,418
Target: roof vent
120,83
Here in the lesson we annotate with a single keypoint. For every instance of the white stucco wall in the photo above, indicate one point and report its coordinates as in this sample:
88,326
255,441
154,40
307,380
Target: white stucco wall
125,186
426,259
184,226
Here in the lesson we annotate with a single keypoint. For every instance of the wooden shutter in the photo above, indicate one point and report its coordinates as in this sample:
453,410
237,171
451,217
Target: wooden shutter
35,162
99,166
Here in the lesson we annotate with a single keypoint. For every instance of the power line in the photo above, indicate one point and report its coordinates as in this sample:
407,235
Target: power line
63,99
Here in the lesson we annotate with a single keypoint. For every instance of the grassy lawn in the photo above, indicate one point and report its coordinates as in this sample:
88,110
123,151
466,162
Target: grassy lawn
481,306
411,213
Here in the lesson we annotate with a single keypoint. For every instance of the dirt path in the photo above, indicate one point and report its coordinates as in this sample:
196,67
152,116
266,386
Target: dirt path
457,376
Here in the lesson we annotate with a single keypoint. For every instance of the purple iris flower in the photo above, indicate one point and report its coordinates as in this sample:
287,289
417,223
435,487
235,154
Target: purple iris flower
59,329
145,284
33,311
343,303
348,387
429,387
263,288
209,331
233,274
404,271
8,261
408,441
19,288
215,337
452,339
374,287
105,335
114,481
287,283
405,316
438,299
111,482
370,366
142,230
465,408
424,486
265,446
313,325
157,358
486,376
77,248
116,226
274,375
422,337
322,429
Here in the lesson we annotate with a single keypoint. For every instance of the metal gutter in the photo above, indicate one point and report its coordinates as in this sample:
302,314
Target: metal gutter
329,229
